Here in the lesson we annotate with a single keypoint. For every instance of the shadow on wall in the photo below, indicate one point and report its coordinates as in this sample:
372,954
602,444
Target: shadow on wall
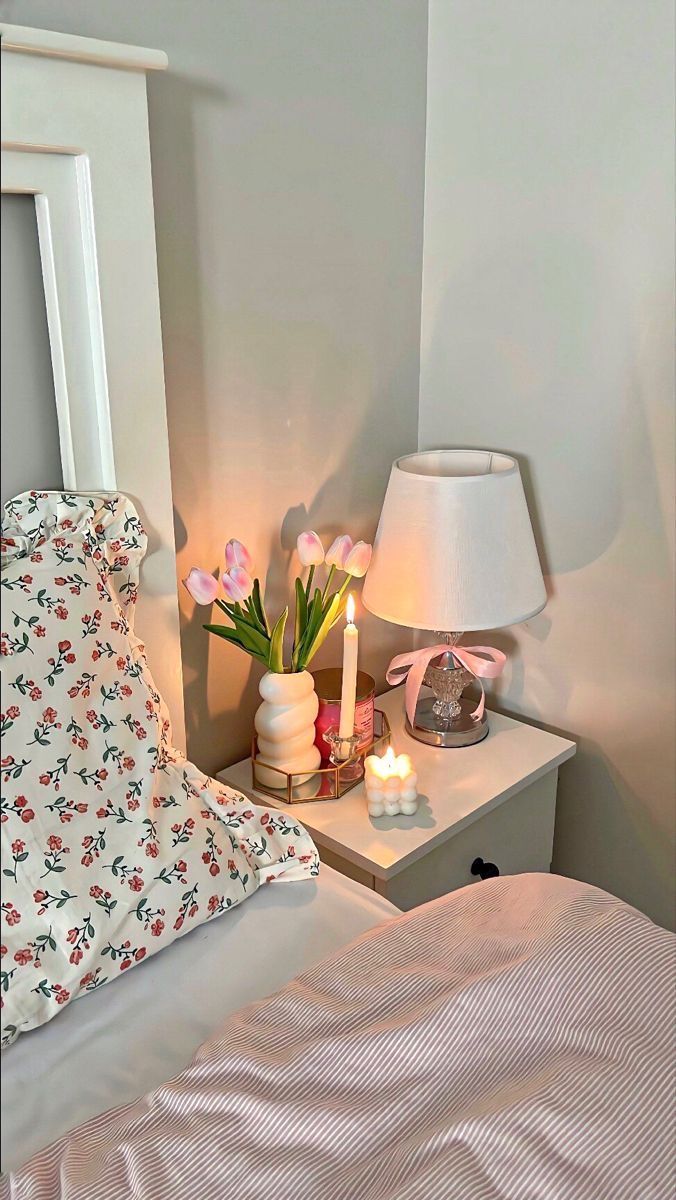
596,804
306,411
176,229
512,357
379,640
551,354
539,337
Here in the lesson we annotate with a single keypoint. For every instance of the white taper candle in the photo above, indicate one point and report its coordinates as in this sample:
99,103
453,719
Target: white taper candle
348,695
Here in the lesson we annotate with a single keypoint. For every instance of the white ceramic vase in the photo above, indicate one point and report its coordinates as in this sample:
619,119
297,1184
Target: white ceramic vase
285,725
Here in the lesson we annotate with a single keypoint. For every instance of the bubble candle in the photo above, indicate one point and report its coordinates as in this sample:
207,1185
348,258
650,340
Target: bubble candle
391,784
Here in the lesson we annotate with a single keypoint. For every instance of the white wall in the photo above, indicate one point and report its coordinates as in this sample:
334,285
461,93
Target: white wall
287,142
547,326
30,439
288,145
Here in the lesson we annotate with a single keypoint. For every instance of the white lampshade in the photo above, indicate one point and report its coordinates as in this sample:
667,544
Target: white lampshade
455,549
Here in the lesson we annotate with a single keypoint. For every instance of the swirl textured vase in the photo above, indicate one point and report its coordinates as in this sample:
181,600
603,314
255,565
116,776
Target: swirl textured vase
285,725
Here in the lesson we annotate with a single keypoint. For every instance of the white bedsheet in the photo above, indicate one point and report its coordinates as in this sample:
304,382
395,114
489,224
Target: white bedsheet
112,1046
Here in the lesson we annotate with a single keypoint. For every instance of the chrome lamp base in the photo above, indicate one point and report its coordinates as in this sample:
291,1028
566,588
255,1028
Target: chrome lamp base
463,730
444,718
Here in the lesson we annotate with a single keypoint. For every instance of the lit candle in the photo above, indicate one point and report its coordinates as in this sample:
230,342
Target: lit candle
348,695
391,784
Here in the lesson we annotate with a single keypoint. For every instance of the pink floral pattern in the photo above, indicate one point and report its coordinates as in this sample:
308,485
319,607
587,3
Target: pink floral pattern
113,844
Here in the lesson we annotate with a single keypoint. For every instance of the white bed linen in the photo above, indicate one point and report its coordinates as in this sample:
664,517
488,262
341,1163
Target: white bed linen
119,1042
512,1040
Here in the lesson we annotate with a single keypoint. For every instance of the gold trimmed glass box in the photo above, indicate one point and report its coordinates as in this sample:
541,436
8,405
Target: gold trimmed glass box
331,781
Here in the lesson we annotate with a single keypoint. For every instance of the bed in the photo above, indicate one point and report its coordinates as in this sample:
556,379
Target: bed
510,1040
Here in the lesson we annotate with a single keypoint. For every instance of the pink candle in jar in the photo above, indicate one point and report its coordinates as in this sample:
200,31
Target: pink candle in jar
328,686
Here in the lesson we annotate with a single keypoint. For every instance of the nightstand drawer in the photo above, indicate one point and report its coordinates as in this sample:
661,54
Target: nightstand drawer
517,836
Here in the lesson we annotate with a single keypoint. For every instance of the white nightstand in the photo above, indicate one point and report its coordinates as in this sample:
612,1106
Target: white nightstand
495,801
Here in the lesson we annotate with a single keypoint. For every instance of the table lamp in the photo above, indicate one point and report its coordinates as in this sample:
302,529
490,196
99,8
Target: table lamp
454,551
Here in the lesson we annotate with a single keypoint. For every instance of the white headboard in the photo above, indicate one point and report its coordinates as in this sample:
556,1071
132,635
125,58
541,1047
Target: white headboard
75,135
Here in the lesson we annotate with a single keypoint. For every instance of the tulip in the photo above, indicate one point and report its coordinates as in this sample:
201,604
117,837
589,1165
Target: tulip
202,586
237,585
357,561
310,549
336,555
237,555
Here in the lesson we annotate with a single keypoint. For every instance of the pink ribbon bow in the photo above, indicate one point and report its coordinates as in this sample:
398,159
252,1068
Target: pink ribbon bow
412,667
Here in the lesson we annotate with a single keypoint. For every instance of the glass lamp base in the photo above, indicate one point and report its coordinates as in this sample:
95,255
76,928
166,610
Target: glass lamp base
463,730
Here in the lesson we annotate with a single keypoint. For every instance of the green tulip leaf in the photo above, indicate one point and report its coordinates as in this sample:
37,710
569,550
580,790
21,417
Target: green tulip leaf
259,607
331,616
251,637
314,618
276,652
236,612
300,621
233,636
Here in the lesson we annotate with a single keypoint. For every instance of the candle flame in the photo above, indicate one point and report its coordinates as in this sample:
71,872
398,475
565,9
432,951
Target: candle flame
349,610
389,765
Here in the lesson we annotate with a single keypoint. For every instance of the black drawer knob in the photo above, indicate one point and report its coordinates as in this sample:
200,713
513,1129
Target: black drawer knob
483,869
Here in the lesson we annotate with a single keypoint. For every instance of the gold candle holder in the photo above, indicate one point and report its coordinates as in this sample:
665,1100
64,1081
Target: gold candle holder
331,781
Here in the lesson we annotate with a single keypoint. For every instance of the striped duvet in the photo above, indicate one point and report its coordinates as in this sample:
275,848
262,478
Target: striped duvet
510,1040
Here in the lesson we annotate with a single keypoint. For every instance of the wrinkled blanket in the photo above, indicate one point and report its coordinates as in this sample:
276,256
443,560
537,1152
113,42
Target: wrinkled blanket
512,1039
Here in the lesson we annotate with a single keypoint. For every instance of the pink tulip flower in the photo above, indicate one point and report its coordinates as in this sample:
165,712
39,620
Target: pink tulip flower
357,561
237,585
310,549
237,555
336,555
202,586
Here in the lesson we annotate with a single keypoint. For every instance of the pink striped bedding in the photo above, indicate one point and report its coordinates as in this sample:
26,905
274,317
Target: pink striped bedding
510,1040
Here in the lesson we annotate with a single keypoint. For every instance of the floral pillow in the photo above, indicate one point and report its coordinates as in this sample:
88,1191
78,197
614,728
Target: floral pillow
112,843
